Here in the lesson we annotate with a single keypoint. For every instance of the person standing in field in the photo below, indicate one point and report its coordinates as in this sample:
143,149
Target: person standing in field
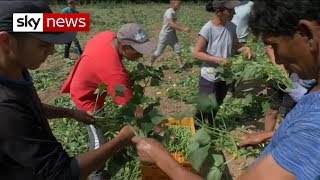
71,9
241,19
168,35
102,63
217,41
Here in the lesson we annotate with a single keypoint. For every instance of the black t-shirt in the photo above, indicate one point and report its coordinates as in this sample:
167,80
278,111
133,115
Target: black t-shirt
28,149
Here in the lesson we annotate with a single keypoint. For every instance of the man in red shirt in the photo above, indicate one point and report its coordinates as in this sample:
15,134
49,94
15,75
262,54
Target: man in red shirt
101,62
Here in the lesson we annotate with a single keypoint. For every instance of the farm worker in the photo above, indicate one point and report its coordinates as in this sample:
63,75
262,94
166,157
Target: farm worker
241,18
217,41
283,104
28,149
168,35
101,62
71,8
294,150
284,101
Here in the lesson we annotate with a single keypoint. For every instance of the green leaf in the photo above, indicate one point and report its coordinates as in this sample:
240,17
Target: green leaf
207,103
155,81
182,115
202,137
120,90
266,107
193,146
247,100
156,117
218,160
147,127
198,156
214,174
140,67
142,134
138,90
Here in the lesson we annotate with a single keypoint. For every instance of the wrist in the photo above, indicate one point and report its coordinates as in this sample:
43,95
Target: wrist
120,141
222,61
168,164
164,159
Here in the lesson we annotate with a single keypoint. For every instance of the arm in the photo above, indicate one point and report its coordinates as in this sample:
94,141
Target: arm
95,159
52,112
265,169
252,139
173,169
152,151
199,53
177,26
293,156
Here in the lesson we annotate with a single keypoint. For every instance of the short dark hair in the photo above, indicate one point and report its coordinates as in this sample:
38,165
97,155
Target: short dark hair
281,17
210,8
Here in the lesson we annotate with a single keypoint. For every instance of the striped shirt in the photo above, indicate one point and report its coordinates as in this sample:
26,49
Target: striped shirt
296,144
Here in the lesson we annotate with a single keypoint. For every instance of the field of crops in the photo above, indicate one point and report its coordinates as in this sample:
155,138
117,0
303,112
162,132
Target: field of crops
167,92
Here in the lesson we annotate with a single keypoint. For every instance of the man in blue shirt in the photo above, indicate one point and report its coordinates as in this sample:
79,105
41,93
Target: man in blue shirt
292,28
71,8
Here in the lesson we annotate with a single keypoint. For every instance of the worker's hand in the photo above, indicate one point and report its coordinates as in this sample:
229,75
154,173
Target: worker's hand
82,116
254,139
187,29
223,61
248,52
149,149
125,135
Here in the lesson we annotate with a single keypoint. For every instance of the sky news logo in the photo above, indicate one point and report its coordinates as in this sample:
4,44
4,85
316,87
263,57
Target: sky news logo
51,22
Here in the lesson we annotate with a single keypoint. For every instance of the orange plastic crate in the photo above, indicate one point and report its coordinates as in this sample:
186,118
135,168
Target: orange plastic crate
153,172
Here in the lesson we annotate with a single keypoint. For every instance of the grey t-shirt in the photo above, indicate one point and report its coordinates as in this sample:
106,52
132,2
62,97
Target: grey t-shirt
219,44
166,28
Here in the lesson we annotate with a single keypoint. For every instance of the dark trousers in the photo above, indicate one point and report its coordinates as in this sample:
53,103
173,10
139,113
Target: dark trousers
77,47
219,89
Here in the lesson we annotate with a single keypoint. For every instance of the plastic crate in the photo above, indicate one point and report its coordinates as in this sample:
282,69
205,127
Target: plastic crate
153,172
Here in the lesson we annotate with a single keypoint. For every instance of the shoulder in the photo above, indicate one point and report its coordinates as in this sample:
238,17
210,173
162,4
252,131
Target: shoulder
65,10
208,25
106,34
102,37
231,26
169,11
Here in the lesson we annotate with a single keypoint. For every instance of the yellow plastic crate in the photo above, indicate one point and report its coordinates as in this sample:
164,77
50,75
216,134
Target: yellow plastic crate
153,172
